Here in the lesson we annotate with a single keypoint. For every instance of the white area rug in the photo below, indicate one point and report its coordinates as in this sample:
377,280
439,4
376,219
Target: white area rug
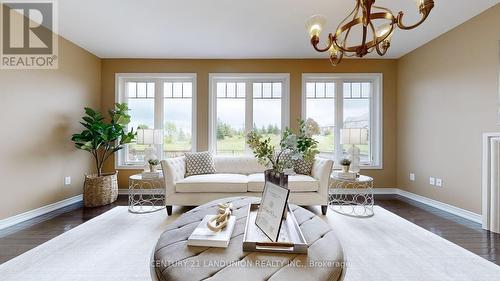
388,247
118,245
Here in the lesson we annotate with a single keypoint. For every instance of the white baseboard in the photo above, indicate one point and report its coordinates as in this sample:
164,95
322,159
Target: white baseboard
442,206
431,202
39,211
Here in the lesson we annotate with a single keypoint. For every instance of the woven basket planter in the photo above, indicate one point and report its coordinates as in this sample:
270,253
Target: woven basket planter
100,191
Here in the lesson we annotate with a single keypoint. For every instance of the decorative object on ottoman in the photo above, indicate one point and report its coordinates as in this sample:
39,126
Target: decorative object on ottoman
354,137
173,260
219,221
102,140
214,230
272,210
153,164
345,163
291,239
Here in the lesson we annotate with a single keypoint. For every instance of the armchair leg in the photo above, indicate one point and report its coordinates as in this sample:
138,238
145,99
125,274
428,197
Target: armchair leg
324,209
169,210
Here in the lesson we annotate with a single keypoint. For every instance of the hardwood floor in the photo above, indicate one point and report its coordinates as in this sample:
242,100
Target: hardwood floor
469,235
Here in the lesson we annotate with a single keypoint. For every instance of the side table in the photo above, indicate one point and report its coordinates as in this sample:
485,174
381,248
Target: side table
145,195
351,197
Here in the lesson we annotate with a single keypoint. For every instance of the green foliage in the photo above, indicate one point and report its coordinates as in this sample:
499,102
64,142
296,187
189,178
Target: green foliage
102,138
300,146
345,162
154,162
225,130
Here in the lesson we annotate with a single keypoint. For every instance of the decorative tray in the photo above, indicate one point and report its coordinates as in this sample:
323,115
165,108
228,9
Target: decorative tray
290,240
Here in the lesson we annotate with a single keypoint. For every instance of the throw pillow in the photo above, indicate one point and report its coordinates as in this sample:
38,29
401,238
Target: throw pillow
303,167
199,163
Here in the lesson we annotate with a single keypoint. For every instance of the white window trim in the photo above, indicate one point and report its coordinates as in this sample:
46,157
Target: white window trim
213,78
122,78
376,110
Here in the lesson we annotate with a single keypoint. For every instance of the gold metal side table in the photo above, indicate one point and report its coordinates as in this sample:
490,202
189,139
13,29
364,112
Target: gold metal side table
351,197
146,195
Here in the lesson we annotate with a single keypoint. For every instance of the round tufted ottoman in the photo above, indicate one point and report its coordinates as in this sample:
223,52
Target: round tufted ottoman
173,260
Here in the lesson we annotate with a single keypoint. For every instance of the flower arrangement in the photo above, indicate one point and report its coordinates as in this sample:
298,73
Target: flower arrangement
299,145
152,164
345,163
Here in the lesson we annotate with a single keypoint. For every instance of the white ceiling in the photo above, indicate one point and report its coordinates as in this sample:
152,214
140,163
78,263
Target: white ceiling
233,29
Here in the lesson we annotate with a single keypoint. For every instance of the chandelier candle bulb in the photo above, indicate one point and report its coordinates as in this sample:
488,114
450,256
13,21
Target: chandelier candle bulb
315,25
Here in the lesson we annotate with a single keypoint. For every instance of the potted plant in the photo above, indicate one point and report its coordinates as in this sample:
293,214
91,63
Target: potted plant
346,163
102,139
292,147
153,163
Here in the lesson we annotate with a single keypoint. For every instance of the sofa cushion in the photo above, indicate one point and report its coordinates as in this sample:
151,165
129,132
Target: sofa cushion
199,163
296,183
213,183
245,164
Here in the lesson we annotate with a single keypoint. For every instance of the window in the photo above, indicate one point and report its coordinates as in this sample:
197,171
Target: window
240,103
341,101
158,101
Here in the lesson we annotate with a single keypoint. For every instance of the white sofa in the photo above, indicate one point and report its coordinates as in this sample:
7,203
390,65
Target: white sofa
240,176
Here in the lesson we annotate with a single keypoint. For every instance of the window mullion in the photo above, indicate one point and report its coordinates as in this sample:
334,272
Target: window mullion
159,100
248,110
339,118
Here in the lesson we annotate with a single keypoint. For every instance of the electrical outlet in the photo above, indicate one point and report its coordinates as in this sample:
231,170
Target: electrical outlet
439,182
432,181
412,177
67,180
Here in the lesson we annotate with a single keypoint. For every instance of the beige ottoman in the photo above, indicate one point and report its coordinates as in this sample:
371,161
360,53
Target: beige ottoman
173,260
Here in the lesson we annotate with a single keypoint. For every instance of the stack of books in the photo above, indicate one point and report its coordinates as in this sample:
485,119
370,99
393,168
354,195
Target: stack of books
204,237
151,175
344,176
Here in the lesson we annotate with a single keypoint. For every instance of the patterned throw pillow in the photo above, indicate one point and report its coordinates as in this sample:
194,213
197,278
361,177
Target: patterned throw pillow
300,166
303,167
199,163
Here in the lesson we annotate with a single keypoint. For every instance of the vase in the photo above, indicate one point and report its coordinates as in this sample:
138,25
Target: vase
278,178
152,168
100,190
345,168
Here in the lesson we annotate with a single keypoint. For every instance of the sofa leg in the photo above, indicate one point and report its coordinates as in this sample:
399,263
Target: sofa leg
169,210
324,209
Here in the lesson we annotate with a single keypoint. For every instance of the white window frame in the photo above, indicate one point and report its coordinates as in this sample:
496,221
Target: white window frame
248,78
159,78
376,110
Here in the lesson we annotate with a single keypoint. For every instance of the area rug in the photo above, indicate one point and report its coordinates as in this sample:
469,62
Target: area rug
388,247
117,246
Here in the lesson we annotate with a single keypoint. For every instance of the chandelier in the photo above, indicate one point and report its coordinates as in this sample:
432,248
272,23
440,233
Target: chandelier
365,14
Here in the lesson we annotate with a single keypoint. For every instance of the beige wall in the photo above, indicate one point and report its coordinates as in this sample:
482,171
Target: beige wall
40,109
383,178
447,98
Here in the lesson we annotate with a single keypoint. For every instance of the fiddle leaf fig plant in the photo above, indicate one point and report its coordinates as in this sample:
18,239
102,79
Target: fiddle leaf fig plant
102,139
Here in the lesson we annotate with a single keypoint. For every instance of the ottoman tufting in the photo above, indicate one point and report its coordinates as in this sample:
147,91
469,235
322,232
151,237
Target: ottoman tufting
173,260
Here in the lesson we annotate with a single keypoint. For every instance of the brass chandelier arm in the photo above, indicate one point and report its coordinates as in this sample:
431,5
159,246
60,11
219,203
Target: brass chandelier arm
349,25
425,10
315,42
